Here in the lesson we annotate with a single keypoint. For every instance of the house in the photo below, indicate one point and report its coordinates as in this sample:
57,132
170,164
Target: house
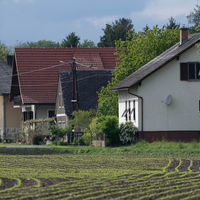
35,75
162,98
89,82
10,117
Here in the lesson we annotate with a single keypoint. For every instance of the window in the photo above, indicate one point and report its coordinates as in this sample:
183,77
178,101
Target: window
28,115
133,110
51,113
190,71
199,106
129,112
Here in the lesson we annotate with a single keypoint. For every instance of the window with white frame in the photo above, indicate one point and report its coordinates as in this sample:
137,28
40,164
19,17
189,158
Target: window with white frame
129,111
27,115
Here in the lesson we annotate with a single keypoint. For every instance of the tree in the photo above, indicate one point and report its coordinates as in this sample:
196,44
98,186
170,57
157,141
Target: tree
71,40
39,44
81,119
133,53
116,31
4,51
172,24
87,43
194,16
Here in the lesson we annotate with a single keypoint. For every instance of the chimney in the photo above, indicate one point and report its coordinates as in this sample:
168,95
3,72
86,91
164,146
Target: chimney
183,35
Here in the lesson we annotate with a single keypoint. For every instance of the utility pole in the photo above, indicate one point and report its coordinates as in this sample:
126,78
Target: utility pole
74,87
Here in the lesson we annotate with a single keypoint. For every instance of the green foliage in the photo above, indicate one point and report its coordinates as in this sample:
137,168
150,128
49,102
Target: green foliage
133,53
86,138
82,119
172,24
39,44
4,51
7,140
32,127
59,143
71,40
90,132
109,126
115,31
194,16
128,134
87,43
38,139
58,131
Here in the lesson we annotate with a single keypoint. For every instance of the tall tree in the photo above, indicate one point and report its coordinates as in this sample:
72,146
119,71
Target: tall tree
194,20
87,43
40,43
71,40
194,16
132,54
119,29
4,51
172,24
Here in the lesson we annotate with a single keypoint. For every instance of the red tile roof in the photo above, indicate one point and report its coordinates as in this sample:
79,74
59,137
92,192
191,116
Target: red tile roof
39,85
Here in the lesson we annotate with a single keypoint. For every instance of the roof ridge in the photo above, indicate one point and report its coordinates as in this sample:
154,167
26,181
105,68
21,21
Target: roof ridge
156,63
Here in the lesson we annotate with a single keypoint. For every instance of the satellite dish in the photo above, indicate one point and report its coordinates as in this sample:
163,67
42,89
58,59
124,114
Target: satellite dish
168,100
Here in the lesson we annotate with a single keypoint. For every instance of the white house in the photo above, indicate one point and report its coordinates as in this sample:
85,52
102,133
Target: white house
162,98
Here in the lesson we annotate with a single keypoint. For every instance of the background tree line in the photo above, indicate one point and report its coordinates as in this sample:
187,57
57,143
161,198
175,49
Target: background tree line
118,30
133,49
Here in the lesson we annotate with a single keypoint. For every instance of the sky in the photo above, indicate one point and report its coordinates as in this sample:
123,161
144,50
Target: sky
33,20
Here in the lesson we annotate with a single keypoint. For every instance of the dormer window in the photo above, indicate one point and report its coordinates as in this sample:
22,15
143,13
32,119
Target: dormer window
190,71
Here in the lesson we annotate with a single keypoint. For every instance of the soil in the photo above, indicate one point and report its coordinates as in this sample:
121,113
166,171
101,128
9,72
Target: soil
134,187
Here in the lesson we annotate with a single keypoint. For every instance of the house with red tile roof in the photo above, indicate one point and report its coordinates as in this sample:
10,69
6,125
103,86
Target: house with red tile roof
35,75
9,123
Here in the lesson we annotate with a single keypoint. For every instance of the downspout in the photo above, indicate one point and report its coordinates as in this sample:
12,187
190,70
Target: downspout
142,118
4,117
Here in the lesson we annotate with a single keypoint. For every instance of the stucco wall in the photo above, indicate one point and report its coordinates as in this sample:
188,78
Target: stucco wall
62,118
13,115
42,111
182,113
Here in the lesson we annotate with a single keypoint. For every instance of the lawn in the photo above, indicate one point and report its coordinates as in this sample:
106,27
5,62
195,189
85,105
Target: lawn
113,173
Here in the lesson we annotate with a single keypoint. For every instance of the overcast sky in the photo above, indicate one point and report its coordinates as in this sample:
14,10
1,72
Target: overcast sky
33,20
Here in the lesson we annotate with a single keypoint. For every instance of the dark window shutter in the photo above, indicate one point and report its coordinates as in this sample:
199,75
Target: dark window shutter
184,71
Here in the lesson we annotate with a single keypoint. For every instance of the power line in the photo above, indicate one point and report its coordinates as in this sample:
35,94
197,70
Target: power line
45,68
69,81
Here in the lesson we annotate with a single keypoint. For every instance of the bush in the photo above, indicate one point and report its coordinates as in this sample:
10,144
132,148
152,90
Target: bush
58,131
78,141
86,139
81,119
38,139
60,143
109,126
128,134
8,140
89,133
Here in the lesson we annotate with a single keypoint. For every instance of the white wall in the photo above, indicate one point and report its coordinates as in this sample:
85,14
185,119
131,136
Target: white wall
122,99
42,111
182,113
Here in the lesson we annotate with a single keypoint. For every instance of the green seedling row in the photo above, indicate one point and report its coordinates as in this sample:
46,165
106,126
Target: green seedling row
99,176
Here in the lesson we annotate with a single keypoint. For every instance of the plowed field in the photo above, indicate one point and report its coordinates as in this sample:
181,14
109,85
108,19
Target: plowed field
99,176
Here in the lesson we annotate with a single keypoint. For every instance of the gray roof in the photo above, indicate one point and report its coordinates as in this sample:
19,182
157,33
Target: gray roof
5,78
157,63
89,82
